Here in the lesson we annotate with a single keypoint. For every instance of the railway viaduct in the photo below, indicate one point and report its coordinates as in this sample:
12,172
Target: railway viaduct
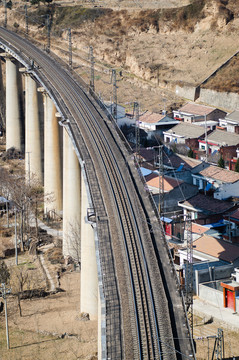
76,151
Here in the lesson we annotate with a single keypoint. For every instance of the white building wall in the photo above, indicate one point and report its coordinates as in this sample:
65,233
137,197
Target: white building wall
214,148
227,190
231,128
125,121
211,295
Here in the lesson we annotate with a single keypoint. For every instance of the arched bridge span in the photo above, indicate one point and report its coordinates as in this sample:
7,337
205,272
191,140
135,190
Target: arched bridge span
145,315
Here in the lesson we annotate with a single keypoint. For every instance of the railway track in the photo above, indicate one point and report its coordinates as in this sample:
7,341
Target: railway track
144,325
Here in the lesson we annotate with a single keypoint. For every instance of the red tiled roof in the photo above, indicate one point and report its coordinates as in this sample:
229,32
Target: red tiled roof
215,247
199,229
217,173
169,182
196,109
151,118
207,204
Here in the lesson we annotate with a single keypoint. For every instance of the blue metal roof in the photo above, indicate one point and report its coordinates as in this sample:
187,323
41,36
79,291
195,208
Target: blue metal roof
145,171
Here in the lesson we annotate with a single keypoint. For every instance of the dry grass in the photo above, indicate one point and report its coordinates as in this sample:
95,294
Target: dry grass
205,345
225,80
39,333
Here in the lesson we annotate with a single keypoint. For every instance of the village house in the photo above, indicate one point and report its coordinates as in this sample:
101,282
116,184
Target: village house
180,166
147,157
121,119
155,123
174,190
221,182
184,133
231,122
178,162
205,209
192,112
231,233
208,248
230,155
214,261
217,139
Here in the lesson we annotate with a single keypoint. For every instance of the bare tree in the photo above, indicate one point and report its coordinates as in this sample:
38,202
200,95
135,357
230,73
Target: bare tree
74,241
19,279
27,198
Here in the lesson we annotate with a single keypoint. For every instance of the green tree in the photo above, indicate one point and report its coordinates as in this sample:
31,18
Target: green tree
237,166
190,153
9,4
221,163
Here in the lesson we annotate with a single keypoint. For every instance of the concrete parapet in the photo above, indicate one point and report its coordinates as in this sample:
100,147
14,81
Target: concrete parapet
89,278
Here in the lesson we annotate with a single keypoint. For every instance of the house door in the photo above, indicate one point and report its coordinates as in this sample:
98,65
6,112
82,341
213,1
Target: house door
168,229
230,299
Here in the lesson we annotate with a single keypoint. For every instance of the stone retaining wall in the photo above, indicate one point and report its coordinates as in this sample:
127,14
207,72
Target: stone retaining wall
187,92
222,100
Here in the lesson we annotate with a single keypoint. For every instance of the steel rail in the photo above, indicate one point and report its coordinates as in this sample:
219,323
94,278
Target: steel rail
128,204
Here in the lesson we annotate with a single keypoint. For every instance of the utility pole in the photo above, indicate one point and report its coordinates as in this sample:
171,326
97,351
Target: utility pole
48,33
219,346
5,13
92,70
16,255
189,272
205,125
137,132
70,48
161,180
4,292
114,82
26,18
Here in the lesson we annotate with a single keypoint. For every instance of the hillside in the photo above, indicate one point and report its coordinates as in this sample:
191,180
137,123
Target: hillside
162,46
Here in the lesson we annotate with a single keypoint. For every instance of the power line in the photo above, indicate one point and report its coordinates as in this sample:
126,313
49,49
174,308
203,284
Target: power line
70,48
92,70
48,24
137,131
26,18
114,105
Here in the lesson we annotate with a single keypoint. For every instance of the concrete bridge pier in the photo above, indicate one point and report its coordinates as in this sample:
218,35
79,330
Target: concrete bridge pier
52,159
2,98
89,276
33,136
13,107
71,199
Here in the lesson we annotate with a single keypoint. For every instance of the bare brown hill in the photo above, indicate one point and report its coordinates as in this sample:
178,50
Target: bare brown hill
163,46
